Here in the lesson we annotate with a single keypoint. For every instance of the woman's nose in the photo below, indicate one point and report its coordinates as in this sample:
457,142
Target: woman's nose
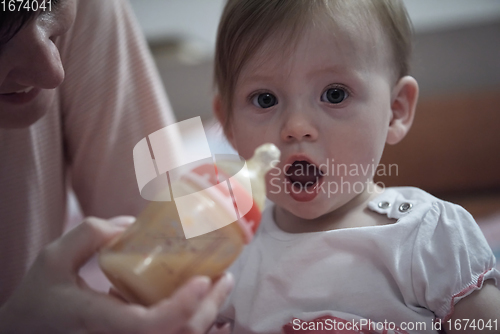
299,126
40,63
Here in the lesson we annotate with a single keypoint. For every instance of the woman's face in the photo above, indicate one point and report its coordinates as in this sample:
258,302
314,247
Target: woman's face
30,65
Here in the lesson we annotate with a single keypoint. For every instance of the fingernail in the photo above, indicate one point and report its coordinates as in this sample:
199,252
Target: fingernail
203,284
227,281
122,221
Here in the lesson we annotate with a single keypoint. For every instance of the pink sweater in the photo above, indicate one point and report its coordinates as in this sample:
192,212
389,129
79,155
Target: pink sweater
111,98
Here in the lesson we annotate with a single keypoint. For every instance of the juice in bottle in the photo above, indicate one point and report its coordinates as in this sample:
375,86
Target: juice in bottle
160,252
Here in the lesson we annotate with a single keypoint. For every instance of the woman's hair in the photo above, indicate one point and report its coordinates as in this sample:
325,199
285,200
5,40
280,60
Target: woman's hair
12,21
246,25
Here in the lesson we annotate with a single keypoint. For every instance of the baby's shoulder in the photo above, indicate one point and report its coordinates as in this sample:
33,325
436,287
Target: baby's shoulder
433,226
438,239
410,204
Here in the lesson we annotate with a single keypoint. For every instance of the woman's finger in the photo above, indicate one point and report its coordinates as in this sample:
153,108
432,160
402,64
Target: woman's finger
79,244
224,329
178,310
116,294
209,307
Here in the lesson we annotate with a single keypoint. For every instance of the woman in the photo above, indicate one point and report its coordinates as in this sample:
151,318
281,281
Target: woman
78,90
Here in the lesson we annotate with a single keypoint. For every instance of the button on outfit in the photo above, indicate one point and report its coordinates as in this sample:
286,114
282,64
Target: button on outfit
405,207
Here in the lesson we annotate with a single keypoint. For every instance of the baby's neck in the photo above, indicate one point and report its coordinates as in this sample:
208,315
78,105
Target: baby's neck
354,213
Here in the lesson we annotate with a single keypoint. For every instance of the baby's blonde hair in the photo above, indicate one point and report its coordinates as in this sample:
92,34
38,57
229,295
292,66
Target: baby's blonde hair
246,25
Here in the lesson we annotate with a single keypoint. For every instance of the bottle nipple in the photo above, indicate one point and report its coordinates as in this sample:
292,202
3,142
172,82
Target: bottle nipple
263,160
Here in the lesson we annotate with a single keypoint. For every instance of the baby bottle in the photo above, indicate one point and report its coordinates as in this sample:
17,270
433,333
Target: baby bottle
216,210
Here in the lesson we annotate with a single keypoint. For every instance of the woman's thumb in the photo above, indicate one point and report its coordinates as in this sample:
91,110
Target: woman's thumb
79,244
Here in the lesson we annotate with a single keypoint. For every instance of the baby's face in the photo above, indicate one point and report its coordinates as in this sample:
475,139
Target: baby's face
328,102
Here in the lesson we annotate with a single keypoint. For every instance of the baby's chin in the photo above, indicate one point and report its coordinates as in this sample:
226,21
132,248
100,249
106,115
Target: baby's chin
304,210
308,217
320,207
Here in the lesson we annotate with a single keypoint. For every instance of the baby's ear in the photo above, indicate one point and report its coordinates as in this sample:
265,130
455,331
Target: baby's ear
403,104
221,116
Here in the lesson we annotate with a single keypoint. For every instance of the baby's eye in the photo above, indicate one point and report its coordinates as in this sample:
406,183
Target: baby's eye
264,100
334,95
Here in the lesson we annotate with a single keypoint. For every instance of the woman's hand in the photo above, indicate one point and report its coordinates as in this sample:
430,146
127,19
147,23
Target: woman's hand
52,298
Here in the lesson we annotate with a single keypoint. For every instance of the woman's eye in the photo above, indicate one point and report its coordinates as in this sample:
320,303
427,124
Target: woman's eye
264,100
334,95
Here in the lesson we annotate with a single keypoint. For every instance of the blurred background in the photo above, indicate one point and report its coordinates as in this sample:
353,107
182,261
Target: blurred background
453,149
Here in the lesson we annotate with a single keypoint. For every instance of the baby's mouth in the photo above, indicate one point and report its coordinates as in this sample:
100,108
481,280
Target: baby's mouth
303,174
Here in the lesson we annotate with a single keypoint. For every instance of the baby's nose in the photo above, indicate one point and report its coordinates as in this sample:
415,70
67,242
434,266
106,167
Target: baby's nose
299,126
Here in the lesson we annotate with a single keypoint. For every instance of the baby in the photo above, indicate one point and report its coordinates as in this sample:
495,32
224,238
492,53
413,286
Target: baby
327,82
